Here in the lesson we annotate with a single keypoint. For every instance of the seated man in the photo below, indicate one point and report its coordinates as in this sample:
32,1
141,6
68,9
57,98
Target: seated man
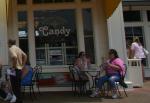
114,68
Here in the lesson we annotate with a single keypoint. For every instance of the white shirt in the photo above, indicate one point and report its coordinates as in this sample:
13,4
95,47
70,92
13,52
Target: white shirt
138,50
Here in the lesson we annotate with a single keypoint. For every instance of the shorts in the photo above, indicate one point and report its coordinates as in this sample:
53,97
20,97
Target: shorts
143,61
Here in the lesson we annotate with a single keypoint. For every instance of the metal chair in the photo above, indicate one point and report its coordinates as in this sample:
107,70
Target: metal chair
29,86
77,82
118,84
34,81
38,70
122,83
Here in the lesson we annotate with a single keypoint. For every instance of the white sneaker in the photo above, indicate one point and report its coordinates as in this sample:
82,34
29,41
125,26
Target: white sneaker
114,96
13,99
8,97
95,94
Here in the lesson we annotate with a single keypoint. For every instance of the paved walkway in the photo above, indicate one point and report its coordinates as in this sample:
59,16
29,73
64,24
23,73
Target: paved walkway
138,95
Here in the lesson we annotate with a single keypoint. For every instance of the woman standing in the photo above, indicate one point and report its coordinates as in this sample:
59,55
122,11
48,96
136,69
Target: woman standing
137,51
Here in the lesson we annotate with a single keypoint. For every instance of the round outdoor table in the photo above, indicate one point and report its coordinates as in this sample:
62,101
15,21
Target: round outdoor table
93,73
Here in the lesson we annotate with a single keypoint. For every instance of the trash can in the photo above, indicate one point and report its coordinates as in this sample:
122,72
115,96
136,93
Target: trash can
135,72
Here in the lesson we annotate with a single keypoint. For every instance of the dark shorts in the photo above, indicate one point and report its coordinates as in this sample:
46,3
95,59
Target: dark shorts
143,61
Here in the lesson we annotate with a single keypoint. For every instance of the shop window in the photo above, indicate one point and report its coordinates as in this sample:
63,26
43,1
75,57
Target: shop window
132,32
132,16
51,1
55,37
23,31
88,33
21,1
148,15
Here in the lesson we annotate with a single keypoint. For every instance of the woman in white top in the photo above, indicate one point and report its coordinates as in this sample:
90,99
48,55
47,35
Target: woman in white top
137,51
82,63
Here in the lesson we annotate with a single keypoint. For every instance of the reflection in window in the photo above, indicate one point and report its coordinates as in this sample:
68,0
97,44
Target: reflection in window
51,1
88,33
55,37
23,31
132,16
148,15
21,1
132,32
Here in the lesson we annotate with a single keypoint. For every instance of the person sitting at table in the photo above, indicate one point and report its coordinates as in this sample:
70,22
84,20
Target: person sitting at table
82,63
114,68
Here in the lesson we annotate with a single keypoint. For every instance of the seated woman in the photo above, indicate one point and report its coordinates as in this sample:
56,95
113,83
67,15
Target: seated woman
82,63
114,68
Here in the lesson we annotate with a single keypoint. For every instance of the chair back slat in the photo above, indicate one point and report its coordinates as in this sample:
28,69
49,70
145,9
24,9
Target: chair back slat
37,70
74,73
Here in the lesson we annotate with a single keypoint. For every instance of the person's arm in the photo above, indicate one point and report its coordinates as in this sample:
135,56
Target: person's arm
78,63
13,58
88,62
117,64
132,50
24,58
0,64
132,53
116,67
25,71
14,61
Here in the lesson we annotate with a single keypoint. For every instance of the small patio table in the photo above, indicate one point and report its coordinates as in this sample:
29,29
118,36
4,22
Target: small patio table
93,73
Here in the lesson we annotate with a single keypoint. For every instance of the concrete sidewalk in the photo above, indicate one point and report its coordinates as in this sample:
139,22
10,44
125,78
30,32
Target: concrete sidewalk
138,95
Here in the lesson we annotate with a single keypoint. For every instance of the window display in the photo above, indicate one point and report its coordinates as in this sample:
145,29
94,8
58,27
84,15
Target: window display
55,37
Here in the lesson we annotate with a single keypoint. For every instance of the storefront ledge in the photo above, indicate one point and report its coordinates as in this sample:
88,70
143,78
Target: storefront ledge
61,68
146,78
55,70
52,89
53,67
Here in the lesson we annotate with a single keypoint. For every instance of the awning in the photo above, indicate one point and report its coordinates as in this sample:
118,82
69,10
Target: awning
110,6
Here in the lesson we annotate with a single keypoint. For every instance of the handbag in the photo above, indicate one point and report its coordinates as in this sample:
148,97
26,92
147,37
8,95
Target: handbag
146,52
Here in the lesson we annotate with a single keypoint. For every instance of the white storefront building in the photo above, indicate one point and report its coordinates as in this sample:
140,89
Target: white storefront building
137,23
52,32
